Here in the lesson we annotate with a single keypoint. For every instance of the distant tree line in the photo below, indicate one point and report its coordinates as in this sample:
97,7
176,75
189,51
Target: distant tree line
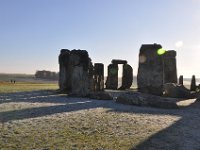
44,74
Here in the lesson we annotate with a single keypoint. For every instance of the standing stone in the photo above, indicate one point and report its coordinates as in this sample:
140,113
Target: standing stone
127,78
150,71
80,84
91,77
170,71
79,63
112,79
180,81
74,72
64,75
99,76
193,84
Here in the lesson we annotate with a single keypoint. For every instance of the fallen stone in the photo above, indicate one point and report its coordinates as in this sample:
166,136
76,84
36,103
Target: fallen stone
177,91
101,95
141,99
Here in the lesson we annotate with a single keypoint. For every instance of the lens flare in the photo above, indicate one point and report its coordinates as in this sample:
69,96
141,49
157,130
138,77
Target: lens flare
142,59
161,51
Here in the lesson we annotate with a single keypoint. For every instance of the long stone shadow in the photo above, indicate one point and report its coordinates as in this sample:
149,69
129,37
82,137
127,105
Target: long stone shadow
184,134
60,104
41,96
44,111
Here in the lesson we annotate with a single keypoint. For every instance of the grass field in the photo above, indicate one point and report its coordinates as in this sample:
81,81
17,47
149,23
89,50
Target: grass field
6,87
45,120
24,82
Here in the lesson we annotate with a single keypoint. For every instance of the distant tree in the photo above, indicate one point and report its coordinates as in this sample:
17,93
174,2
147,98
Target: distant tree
44,74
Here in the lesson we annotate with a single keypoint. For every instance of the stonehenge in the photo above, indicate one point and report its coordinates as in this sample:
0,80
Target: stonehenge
155,69
157,73
150,72
74,71
64,75
112,79
98,77
127,77
78,76
170,71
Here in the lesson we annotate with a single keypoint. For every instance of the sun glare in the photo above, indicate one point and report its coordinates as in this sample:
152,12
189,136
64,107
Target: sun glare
161,51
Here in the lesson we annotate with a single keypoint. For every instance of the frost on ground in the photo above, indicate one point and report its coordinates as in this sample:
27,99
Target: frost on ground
45,120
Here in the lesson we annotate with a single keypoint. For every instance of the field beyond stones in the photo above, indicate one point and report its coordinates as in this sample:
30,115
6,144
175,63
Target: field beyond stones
34,116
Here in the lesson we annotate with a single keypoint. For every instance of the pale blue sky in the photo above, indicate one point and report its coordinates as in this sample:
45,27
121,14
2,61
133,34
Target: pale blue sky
32,32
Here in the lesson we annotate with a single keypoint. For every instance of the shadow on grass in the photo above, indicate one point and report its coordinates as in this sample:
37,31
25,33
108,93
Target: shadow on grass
44,111
177,136
40,96
184,134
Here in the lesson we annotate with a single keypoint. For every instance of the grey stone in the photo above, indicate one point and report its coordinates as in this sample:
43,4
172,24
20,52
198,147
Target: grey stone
193,84
180,81
91,77
80,84
101,95
150,71
170,71
127,78
64,76
98,77
142,99
119,61
74,72
112,79
176,91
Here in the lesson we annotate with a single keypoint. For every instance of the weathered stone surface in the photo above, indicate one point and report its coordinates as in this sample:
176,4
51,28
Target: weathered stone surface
64,75
141,99
112,79
98,77
79,62
180,81
118,61
91,77
101,95
177,91
80,58
74,72
127,78
170,71
193,84
150,71
80,84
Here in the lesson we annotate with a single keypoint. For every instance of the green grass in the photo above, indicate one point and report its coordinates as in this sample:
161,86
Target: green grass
76,131
6,87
